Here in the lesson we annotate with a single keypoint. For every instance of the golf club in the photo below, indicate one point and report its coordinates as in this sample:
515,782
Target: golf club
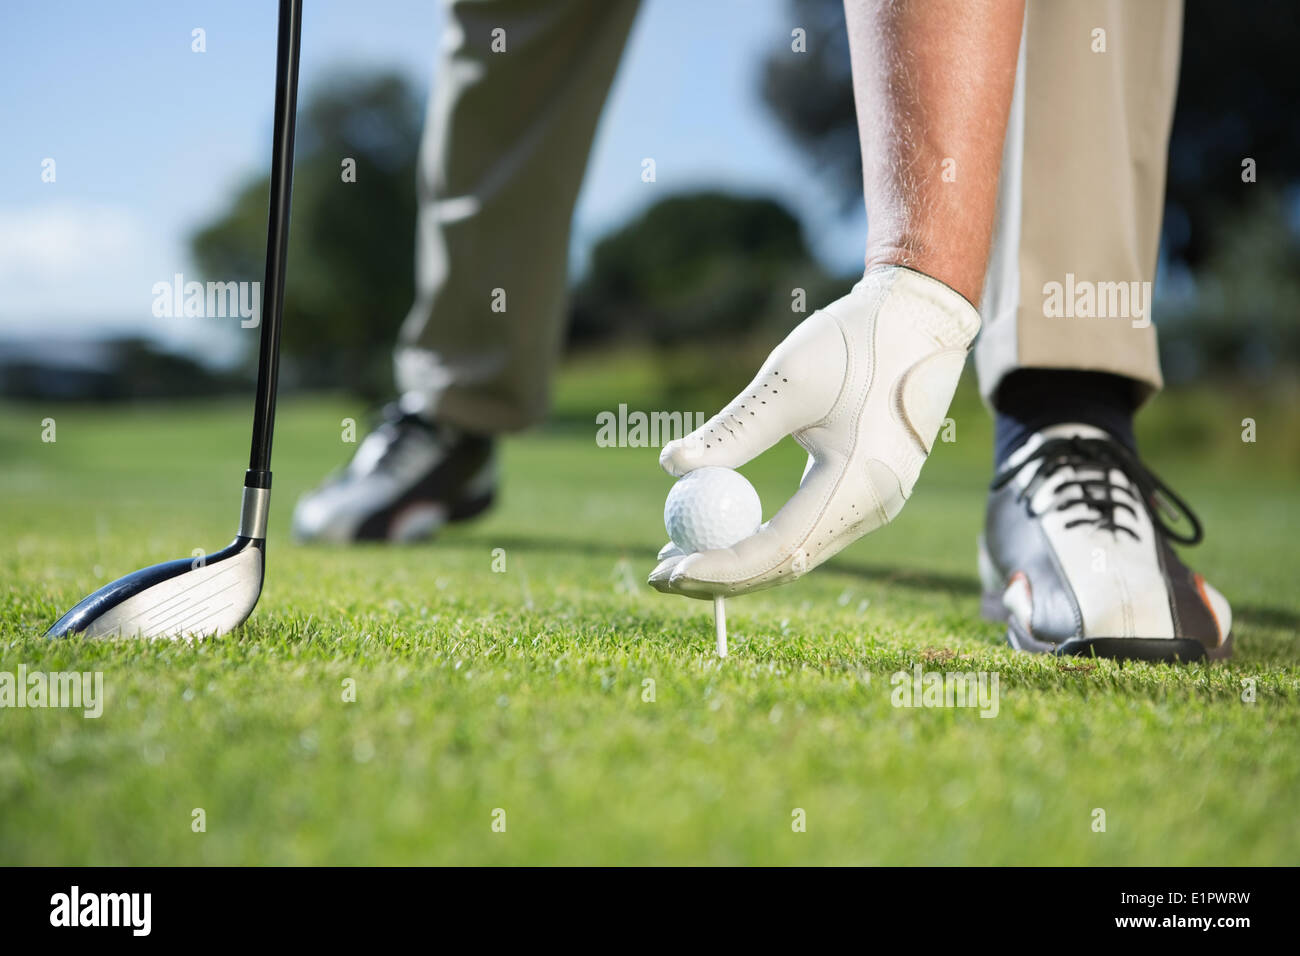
204,596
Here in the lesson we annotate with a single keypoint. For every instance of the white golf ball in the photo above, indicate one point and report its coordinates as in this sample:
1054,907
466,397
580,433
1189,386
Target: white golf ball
711,508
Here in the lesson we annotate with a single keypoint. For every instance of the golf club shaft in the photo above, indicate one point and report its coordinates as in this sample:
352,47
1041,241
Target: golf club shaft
277,241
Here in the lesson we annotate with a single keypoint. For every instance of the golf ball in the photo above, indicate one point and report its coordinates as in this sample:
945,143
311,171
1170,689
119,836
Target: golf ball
711,508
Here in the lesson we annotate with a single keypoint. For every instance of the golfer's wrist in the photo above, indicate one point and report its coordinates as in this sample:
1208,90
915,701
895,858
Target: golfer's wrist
945,264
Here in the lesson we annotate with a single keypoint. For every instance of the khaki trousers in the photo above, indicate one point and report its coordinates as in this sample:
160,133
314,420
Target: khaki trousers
509,130
1081,192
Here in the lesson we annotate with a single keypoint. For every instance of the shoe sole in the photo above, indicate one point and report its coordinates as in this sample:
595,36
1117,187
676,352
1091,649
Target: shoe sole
397,531
1183,650
468,508
1178,650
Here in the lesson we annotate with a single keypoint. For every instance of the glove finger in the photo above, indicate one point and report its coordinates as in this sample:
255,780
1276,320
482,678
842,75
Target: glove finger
669,550
797,386
662,574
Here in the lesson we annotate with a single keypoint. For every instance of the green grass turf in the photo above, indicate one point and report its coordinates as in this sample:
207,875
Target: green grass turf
524,690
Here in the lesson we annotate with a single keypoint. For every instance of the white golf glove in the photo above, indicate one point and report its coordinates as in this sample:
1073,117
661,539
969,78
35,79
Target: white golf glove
863,385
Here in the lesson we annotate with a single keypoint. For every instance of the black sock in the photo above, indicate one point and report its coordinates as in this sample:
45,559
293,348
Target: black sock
1030,399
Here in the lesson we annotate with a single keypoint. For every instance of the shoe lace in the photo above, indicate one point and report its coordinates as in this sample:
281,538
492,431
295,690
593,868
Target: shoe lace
395,425
1097,496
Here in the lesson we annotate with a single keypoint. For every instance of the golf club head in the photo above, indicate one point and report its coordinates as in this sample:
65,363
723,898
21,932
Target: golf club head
187,598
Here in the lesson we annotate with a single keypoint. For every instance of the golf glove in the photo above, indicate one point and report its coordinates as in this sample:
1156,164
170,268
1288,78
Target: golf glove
863,385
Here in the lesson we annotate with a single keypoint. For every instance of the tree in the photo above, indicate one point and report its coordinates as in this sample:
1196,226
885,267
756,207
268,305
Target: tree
350,276
692,268
811,95
696,275
1237,96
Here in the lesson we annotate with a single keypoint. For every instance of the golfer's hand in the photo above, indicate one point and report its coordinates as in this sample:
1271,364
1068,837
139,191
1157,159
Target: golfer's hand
863,385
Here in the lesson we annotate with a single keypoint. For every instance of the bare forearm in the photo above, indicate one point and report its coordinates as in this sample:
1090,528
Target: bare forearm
933,81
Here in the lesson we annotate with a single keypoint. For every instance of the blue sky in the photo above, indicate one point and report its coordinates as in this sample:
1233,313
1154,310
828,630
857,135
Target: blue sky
150,139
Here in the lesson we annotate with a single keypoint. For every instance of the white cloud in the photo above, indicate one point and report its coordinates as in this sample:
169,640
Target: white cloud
46,243
73,263
72,270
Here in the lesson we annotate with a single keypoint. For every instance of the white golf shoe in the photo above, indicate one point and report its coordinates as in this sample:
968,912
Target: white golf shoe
1076,556
407,479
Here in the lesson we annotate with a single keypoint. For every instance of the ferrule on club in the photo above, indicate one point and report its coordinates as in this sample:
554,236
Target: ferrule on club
720,623
253,512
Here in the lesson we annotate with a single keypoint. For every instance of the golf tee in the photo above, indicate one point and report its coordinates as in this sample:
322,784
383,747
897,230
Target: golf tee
720,622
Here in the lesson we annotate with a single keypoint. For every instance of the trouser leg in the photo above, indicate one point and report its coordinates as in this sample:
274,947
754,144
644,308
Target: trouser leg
1081,192
504,150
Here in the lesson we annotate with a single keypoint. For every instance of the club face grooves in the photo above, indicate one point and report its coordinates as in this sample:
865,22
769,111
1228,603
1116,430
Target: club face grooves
189,597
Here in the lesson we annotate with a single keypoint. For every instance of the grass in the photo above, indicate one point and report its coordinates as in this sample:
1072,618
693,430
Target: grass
529,690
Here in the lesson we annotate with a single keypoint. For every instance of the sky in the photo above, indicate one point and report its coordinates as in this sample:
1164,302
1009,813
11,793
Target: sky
150,140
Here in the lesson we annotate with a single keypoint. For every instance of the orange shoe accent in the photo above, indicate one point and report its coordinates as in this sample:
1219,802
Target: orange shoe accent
1205,599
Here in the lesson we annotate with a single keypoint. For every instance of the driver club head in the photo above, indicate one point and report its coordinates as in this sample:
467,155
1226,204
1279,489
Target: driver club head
188,598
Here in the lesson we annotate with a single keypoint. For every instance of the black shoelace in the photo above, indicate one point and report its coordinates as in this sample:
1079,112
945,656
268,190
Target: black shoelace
1097,496
395,424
